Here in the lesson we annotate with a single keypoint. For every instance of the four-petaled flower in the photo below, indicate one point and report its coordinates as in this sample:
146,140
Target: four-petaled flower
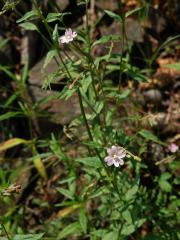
115,156
68,36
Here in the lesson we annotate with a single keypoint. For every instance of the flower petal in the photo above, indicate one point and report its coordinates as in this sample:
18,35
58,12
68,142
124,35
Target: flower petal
121,162
68,31
110,162
107,159
120,150
122,155
116,164
63,39
112,151
74,34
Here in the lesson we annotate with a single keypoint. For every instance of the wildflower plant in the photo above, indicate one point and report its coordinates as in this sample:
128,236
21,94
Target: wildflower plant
85,78
100,188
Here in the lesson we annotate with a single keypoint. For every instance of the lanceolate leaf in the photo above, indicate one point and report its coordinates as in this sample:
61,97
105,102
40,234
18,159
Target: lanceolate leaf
11,143
90,161
114,15
29,15
50,55
83,220
28,236
38,163
29,26
8,115
69,230
150,136
131,12
51,17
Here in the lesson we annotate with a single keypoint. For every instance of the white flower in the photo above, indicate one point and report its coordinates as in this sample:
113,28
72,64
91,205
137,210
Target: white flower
115,156
68,36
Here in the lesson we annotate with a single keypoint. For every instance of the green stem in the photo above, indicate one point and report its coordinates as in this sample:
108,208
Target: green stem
114,183
42,17
7,235
84,115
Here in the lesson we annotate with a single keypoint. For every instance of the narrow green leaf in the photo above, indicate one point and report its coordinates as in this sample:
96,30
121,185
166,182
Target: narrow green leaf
105,39
25,72
65,192
28,236
55,33
11,143
86,81
140,222
127,229
127,216
166,176
69,230
113,235
9,73
131,193
3,43
175,66
167,42
113,15
123,95
9,115
83,220
163,183
10,100
99,106
90,161
149,136
51,17
131,12
39,165
29,26
28,16
50,55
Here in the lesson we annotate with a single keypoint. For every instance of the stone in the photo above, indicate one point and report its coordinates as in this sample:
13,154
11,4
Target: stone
107,5
60,111
5,53
134,33
62,4
153,96
29,45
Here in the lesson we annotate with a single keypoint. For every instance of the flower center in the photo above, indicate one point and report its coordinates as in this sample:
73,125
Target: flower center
115,156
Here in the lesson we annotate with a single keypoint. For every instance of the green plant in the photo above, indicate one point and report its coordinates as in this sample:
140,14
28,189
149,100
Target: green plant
100,190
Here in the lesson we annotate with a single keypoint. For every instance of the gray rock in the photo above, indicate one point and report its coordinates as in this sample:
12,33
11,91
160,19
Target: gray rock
134,33
60,111
38,74
160,120
107,5
29,43
62,4
153,96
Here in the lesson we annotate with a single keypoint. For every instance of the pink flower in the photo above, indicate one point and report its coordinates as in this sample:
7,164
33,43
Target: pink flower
115,156
68,36
173,147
